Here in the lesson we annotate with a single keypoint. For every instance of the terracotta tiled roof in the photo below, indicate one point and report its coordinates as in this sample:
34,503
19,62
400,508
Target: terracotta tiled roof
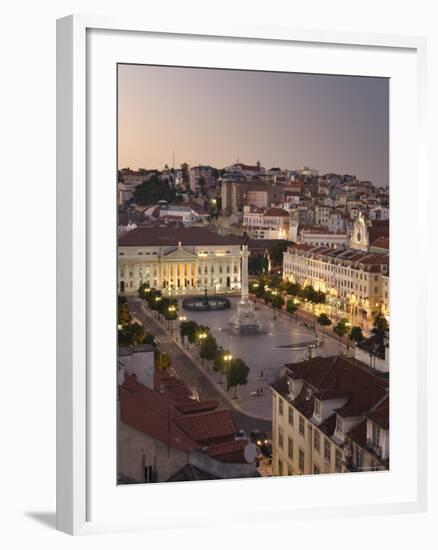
276,212
208,427
191,406
342,376
381,242
167,236
230,451
380,415
149,412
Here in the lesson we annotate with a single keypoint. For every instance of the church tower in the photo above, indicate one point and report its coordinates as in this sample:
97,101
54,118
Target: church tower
359,239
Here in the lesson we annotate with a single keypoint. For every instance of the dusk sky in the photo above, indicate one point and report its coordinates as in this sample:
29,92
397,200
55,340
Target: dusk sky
332,123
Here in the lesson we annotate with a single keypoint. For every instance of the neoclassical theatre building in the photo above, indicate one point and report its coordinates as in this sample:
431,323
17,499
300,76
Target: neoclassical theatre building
183,260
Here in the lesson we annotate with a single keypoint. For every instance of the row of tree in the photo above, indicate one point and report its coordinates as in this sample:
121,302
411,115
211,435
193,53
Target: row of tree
235,370
270,290
130,333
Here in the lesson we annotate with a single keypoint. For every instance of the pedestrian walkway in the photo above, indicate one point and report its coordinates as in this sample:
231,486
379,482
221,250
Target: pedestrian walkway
164,339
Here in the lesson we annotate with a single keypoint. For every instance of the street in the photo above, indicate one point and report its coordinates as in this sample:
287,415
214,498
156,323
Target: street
188,372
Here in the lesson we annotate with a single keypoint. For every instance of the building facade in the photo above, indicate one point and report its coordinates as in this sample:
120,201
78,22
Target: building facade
266,223
323,409
178,259
355,279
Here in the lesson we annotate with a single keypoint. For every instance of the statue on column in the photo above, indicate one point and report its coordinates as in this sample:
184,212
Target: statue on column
245,320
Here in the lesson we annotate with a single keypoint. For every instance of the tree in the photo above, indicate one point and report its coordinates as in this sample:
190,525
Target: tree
258,288
237,374
292,289
124,315
162,360
291,306
143,291
380,323
131,334
222,363
341,329
200,334
187,328
324,321
154,190
277,301
208,349
185,172
149,338
356,334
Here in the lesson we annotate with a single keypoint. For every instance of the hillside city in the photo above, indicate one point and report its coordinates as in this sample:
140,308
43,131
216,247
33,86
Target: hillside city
253,323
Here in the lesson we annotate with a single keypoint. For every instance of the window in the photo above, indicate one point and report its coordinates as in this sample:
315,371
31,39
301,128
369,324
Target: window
291,416
376,435
301,426
148,474
327,449
301,460
280,407
316,441
290,448
317,407
359,458
280,438
338,460
338,424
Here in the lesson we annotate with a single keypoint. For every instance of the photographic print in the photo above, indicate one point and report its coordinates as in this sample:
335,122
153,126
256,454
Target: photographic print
253,274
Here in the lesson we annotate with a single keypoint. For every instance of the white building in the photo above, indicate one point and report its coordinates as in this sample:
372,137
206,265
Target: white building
179,259
266,223
352,279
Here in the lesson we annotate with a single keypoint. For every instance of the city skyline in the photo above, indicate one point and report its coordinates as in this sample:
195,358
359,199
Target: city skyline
215,116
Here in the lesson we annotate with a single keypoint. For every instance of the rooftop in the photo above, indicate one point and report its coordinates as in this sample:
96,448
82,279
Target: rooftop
168,236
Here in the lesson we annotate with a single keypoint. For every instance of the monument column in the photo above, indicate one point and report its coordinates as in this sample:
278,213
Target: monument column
244,274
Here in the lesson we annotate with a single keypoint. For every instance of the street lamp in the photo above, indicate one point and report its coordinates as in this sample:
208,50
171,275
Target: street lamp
171,309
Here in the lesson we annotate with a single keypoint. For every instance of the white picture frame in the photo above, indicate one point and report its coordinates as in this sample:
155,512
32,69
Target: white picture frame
80,495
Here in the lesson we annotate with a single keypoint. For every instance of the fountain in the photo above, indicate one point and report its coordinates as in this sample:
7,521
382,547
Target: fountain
245,320
206,303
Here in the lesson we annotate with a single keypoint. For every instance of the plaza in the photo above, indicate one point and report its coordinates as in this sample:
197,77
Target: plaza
282,340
